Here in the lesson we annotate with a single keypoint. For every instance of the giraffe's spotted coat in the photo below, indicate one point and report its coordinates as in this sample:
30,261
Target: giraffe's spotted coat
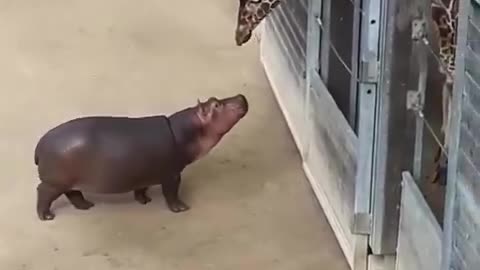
445,15
250,14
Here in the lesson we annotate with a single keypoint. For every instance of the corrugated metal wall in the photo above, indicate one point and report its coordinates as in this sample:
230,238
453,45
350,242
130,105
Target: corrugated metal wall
289,25
320,129
463,215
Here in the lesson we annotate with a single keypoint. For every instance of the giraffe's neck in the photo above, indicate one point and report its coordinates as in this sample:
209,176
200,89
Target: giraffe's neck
445,13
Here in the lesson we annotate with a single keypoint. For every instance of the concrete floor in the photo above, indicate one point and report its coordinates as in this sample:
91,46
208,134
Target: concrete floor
63,59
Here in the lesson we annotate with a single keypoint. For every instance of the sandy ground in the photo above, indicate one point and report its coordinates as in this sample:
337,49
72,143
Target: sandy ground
251,206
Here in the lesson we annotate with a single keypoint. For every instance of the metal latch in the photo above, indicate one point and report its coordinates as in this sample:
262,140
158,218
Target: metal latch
369,71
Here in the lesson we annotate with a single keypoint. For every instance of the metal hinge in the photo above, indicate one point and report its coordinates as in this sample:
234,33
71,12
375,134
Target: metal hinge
414,100
419,29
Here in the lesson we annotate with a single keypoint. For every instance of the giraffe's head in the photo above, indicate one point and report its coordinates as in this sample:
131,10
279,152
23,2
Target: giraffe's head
250,14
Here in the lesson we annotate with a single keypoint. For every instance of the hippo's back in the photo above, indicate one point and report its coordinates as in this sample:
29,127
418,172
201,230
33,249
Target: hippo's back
105,154
63,136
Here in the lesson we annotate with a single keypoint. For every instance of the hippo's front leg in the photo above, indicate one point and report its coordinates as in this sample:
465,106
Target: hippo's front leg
170,191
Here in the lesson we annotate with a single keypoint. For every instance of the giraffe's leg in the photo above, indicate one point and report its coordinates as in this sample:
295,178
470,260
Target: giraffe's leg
435,174
441,159
444,162
447,101
445,113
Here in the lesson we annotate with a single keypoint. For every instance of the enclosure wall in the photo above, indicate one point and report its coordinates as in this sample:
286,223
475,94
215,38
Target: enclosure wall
462,219
297,63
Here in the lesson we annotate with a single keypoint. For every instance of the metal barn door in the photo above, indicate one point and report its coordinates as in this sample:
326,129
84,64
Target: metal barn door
340,106
419,231
422,244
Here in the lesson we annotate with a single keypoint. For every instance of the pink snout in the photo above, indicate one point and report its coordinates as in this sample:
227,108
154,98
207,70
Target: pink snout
239,103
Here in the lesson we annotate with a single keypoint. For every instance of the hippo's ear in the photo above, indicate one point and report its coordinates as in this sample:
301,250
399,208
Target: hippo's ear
201,111
205,112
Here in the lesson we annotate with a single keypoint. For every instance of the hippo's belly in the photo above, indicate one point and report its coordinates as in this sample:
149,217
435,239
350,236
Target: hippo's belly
125,168
117,154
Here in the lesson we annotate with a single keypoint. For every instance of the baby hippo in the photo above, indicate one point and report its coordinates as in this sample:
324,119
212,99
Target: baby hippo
102,154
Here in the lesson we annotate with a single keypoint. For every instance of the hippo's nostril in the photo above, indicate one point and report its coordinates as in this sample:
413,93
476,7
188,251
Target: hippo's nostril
244,102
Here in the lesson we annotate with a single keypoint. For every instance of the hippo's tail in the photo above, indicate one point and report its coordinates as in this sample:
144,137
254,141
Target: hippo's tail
36,158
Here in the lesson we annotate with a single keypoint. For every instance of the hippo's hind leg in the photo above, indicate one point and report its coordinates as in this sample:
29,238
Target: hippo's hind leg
46,194
170,191
141,196
78,201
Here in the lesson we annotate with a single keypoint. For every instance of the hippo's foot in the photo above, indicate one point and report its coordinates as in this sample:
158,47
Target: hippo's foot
47,215
170,191
176,205
46,194
78,201
141,196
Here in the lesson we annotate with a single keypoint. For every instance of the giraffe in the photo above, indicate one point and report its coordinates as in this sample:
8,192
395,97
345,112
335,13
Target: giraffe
444,16
250,14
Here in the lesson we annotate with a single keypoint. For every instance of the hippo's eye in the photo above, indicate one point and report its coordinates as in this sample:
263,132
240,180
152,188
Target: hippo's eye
217,105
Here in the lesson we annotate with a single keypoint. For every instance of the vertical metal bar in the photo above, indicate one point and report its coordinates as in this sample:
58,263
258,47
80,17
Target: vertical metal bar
382,108
419,30
363,183
311,65
357,16
370,41
394,144
454,129
324,45
366,124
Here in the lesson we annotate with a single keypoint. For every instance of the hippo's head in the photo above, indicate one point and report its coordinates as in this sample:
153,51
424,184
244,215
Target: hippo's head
218,116
200,128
